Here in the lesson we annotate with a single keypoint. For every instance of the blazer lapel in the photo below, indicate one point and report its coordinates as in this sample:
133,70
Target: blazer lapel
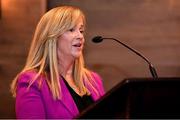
67,99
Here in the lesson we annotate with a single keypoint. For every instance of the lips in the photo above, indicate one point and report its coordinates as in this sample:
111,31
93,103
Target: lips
77,45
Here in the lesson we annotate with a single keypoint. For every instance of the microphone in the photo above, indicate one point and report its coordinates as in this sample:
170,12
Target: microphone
153,72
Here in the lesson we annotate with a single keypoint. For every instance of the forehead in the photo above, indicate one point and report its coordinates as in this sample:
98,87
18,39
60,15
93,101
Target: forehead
79,23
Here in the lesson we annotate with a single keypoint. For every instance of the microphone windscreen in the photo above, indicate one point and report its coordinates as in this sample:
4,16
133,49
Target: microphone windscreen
97,39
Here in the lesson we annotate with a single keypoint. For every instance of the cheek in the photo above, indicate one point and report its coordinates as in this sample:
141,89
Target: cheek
64,45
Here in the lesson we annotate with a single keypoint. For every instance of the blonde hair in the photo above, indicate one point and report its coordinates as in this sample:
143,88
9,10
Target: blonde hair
43,51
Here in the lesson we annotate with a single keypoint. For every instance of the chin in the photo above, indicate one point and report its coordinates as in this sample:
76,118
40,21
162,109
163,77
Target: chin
76,55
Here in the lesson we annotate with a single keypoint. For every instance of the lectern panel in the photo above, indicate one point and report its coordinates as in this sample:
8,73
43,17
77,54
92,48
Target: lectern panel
139,98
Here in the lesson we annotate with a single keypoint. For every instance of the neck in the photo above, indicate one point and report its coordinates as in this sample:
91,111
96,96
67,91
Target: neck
66,67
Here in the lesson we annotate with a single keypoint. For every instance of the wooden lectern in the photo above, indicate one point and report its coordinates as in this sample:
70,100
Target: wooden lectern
137,98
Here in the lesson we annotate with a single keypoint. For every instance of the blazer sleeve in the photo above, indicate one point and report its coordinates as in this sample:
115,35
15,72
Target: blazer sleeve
29,102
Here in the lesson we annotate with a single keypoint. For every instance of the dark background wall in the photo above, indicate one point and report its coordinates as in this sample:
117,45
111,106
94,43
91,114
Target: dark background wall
150,26
17,24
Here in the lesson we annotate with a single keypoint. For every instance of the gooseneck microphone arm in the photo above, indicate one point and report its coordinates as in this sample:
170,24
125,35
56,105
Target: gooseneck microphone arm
98,39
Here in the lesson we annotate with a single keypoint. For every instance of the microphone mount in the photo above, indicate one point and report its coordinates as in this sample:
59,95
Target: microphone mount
153,72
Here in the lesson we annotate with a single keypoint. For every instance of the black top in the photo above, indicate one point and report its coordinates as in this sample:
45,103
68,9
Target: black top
81,101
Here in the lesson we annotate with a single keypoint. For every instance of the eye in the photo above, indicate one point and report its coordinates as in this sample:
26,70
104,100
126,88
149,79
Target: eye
82,31
71,30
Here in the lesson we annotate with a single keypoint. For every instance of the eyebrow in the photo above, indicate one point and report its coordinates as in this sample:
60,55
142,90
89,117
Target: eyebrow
81,27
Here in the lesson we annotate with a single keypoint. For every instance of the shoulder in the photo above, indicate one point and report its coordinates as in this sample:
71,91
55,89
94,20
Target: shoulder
29,76
96,77
98,82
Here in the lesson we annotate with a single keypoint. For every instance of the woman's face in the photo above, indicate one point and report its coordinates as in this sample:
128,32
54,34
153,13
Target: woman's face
71,42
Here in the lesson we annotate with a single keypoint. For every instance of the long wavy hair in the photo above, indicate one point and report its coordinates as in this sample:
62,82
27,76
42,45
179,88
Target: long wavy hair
42,56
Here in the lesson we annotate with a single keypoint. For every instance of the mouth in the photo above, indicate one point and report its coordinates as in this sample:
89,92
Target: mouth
78,45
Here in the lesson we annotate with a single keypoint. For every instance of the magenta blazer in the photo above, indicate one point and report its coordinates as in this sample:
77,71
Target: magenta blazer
39,103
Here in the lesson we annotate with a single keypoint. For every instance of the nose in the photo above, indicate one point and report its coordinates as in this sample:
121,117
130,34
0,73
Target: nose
79,34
